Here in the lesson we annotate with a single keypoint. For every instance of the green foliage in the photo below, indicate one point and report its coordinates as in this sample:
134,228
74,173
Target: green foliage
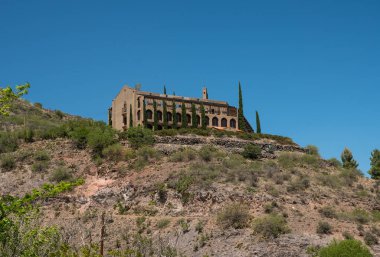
183,155
324,228
241,123
155,116
8,142
183,116
79,135
40,166
8,96
139,137
174,113
375,164
251,151
270,226
207,153
312,150
99,138
348,159
291,160
194,121
115,153
163,223
234,215
41,155
145,118
328,212
258,125
203,117
61,174
345,248
370,239
334,162
7,162
130,116
59,114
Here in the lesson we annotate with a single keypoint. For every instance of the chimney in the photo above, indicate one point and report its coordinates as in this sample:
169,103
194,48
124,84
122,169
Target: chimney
204,93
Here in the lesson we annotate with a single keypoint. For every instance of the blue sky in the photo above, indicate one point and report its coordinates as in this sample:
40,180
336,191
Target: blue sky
311,68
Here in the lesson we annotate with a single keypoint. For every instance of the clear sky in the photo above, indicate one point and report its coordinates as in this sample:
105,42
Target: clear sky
311,68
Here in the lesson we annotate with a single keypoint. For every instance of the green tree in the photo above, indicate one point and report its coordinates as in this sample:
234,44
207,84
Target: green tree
375,164
145,119
155,117
164,89
165,114
8,95
348,159
174,112
258,125
194,122
130,116
184,117
203,117
241,123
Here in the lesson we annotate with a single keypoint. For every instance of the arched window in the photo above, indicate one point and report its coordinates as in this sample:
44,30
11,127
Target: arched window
198,120
224,122
233,123
179,117
159,115
188,117
149,114
215,122
138,102
207,121
169,116
138,115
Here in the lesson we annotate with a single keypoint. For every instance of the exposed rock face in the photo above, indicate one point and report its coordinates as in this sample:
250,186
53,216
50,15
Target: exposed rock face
169,144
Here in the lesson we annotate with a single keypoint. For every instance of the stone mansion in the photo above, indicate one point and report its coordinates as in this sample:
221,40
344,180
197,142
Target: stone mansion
129,103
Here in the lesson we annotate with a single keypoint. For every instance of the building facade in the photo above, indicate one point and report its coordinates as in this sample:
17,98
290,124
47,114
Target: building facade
127,110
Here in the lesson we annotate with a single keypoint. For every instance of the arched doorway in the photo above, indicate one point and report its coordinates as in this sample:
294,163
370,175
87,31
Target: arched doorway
198,120
233,123
207,121
224,123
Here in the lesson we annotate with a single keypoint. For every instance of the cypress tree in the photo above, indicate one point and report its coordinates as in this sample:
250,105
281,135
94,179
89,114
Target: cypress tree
145,118
165,113
164,89
130,116
194,121
184,117
258,125
203,117
155,117
174,115
348,160
240,111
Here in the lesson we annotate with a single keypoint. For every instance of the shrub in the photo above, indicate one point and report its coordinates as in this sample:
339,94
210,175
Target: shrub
8,142
328,212
40,166
334,162
370,239
41,155
299,184
324,228
79,136
349,176
234,215
114,152
347,235
38,105
206,153
59,114
7,162
61,174
352,248
186,154
251,151
100,138
360,216
270,226
312,150
163,223
138,137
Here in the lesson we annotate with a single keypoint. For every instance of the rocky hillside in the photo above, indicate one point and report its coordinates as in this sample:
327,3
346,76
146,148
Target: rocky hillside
198,196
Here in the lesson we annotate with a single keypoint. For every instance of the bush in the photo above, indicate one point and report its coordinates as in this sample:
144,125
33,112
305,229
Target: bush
324,228
186,154
345,248
206,152
234,215
41,155
61,174
59,114
40,166
270,226
251,151
138,137
312,150
370,239
360,216
7,162
114,152
100,138
335,162
161,224
8,142
79,136
328,212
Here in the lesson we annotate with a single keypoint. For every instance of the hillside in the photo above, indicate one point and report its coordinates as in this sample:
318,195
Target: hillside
193,195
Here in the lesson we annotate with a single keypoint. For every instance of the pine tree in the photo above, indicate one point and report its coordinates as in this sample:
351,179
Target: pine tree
194,121
203,117
258,125
184,117
348,159
155,117
145,118
375,164
165,113
241,123
174,112
130,116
